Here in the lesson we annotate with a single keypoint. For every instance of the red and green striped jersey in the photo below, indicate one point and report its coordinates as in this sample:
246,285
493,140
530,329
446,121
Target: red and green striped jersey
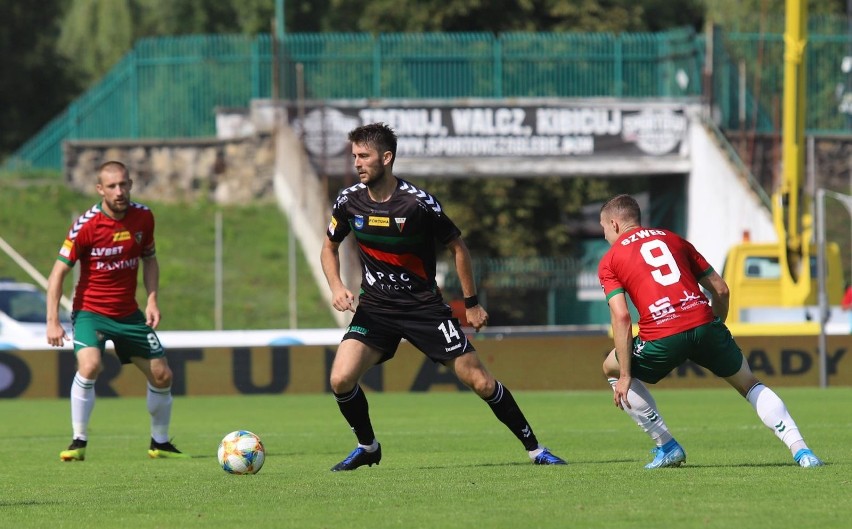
396,242
659,270
109,251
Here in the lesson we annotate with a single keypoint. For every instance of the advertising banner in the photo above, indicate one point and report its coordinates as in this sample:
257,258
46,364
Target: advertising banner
549,362
481,129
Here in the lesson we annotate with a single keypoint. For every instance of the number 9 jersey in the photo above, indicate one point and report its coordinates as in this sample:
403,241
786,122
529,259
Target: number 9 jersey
659,271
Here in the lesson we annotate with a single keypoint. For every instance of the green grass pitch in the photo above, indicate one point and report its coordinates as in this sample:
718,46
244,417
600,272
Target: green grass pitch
448,463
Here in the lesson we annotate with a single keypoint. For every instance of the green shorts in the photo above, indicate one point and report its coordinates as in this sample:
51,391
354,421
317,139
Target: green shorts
710,345
130,335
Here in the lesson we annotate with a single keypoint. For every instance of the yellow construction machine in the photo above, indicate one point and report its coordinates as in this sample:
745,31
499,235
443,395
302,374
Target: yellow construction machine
777,282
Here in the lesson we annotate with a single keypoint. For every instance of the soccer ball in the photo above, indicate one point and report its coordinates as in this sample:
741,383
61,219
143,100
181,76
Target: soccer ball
241,452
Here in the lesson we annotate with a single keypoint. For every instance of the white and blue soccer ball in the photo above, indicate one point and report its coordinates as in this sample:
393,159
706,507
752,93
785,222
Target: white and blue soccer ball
241,452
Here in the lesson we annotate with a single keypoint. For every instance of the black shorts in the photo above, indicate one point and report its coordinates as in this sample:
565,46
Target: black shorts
431,329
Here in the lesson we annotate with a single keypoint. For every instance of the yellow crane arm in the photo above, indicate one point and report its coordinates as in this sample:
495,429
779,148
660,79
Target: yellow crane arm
791,214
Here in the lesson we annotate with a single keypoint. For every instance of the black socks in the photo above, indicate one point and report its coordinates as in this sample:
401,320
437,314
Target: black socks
356,411
506,409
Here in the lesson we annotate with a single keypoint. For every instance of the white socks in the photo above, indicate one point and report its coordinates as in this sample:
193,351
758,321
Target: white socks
643,410
82,404
160,408
535,453
769,407
772,411
371,447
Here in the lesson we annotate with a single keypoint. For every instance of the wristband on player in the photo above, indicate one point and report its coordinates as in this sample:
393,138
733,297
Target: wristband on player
471,302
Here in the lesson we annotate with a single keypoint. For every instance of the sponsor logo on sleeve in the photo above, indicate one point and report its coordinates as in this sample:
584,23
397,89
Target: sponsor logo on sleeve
332,225
65,251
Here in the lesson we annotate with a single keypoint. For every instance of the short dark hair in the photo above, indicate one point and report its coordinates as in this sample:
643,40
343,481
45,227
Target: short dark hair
623,207
376,135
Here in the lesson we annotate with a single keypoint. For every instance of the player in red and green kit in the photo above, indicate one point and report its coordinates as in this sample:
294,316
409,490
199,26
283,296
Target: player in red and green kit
662,274
110,241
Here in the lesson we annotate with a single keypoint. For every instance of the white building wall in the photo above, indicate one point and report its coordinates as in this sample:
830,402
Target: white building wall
721,205
301,197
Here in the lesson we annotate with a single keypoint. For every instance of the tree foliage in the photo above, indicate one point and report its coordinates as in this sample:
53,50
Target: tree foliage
35,81
184,17
755,15
524,15
95,35
520,217
50,53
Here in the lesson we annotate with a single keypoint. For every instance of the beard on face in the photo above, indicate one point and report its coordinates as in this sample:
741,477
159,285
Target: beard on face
117,205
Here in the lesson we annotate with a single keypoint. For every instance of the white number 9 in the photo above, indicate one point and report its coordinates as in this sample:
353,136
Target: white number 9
663,259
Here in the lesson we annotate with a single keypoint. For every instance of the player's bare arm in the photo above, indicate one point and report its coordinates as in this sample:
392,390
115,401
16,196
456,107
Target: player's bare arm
341,298
56,335
476,315
151,279
622,331
719,294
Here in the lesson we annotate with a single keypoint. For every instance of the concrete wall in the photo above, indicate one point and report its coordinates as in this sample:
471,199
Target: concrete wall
721,205
302,197
229,171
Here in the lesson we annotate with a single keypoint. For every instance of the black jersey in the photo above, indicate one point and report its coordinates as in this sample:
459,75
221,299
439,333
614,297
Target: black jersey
396,242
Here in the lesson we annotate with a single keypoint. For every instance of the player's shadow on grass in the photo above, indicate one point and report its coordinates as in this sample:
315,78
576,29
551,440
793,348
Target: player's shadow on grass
686,465
739,465
476,465
608,461
27,503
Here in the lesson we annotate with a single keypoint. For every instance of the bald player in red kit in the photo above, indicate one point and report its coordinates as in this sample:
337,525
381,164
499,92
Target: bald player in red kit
110,241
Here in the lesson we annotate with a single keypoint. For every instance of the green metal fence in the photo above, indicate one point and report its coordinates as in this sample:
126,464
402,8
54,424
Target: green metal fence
760,58
164,88
170,87
755,47
480,65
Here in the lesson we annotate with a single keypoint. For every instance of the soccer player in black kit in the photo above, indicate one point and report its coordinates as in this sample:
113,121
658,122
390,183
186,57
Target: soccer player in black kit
397,227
